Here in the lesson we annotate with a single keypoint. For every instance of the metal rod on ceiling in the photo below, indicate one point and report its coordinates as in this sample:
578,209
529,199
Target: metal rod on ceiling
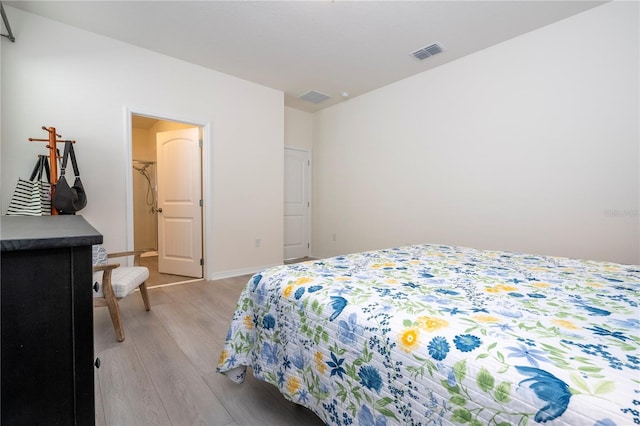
6,24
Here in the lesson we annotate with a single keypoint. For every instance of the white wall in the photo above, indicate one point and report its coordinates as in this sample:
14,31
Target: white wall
82,83
531,145
298,129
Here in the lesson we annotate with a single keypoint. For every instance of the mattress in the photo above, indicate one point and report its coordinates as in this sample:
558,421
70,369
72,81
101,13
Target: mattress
433,334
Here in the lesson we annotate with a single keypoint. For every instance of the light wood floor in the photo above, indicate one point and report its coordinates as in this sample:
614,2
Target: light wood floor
164,371
156,278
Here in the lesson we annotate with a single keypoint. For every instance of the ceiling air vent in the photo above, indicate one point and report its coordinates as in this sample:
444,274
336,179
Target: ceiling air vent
428,51
314,97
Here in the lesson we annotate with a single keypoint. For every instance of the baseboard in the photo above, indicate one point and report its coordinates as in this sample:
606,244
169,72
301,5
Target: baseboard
237,272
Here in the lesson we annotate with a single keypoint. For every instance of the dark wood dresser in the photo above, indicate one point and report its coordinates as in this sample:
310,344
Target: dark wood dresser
46,319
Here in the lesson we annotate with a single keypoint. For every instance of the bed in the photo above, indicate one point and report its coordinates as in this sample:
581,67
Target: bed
433,334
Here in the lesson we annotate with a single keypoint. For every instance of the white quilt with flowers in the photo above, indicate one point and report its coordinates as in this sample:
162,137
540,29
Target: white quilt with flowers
428,335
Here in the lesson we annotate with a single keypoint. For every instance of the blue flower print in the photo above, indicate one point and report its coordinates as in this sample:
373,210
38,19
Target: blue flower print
466,342
447,291
256,280
299,292
604,332
370,378
510,314
605,422
348,331
303,396
549,389
597,311
425,274
314,288
336,366
532,355
536,295
365,417
338,304
269,353
438,348
268,322
298,360
261,295
447,371
454,311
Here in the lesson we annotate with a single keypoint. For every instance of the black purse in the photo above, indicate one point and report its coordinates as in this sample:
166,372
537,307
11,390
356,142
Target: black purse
69,199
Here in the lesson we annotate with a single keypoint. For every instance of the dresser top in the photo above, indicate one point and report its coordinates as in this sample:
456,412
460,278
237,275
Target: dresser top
42,232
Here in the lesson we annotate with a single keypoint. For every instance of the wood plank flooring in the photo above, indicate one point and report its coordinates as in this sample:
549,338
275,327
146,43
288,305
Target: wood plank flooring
156,278
164,371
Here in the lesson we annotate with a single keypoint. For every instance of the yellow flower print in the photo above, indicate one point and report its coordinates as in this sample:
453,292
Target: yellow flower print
565,324
431,323
486,318
500,287
409,339
383,265
504,287
287,291
321,366
248,322
541,285
293,385
223,357
596,285
391,281
303,280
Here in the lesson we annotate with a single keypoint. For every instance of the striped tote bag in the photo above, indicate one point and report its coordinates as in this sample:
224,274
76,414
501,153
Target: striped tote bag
32,197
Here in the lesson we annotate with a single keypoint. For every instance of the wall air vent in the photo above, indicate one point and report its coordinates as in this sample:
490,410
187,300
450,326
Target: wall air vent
428,51
313,97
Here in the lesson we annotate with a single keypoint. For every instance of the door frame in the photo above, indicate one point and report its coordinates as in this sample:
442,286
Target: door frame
309,194
206,171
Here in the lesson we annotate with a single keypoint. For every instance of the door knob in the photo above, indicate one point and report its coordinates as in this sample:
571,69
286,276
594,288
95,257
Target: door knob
159,210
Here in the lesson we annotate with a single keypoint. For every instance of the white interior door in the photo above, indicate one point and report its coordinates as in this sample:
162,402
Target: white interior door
297,188
179,199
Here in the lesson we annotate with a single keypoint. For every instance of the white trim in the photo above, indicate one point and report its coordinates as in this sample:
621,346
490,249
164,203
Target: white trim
310,195
243,271
206,172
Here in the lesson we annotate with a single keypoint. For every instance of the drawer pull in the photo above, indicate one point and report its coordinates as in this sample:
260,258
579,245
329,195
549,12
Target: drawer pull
96,287
97,363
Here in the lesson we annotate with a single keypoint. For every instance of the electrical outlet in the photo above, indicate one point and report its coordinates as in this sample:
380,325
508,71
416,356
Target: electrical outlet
258,242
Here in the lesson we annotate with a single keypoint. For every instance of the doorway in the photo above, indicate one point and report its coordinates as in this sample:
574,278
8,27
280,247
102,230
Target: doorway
158,154
297,204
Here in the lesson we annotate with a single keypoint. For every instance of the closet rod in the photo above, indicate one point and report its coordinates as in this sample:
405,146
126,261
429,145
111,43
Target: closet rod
6,24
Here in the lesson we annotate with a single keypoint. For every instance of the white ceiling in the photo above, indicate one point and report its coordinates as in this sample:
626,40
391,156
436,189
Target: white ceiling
296,46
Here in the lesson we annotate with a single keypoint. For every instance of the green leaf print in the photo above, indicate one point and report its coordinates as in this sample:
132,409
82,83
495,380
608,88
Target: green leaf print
460,370
485,380
580,383
461,415
502,392
605,386
382,402
458,400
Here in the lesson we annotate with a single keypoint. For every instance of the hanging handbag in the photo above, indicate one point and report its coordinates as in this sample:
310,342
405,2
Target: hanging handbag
69,199
32,197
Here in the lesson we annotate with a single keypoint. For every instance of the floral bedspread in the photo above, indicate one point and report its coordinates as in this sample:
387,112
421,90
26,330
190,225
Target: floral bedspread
445,335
